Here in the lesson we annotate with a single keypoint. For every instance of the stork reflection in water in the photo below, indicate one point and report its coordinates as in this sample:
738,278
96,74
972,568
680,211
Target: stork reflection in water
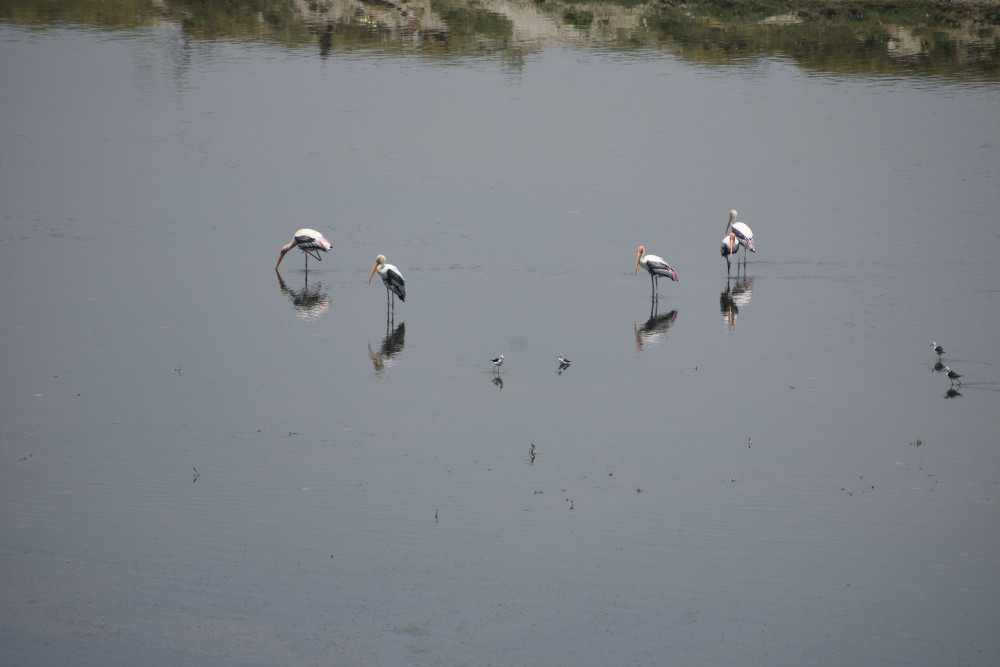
733,297
390,348
655,327
310,302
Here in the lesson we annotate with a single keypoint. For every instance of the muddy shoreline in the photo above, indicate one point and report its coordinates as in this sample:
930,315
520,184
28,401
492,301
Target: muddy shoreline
987,10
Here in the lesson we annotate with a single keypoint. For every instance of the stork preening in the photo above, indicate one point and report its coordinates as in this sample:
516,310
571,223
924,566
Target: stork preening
730,246
744,236
391,278
310,242
656,266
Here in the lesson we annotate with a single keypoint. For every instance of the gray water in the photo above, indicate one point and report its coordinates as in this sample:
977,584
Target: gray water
206,462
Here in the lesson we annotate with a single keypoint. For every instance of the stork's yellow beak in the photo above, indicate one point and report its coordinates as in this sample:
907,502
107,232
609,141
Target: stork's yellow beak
280,257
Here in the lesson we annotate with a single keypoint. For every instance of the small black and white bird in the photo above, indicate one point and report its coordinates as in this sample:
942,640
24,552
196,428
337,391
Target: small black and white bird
937,348
953,376
563,363
497,363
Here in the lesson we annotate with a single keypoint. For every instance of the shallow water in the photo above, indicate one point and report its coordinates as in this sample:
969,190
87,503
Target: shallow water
203,461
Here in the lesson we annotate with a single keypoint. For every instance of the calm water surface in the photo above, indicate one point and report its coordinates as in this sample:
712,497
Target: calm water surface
765,470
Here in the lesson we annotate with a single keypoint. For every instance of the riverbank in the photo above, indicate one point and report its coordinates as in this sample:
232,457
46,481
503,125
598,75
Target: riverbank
984,10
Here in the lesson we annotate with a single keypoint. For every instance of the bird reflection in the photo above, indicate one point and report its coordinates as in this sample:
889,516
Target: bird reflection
564,363
952,393
391,346
738,293
310,302
498,381
938,366
326,40
655,327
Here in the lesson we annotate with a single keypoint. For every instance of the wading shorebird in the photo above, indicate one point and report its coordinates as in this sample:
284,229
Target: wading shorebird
391,278
310,242
656,266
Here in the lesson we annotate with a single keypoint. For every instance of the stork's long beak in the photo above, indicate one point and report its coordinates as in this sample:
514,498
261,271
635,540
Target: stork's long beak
372,274
280,257
638,256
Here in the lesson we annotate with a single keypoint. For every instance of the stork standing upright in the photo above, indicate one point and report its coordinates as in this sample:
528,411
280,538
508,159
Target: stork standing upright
937,348
310,242
391,278
657,266
743,234
730,246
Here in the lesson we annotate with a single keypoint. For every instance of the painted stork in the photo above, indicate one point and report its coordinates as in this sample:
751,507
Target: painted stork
391,278
657,266
310,242
953,376
730,246
937,348
743,234
497,363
